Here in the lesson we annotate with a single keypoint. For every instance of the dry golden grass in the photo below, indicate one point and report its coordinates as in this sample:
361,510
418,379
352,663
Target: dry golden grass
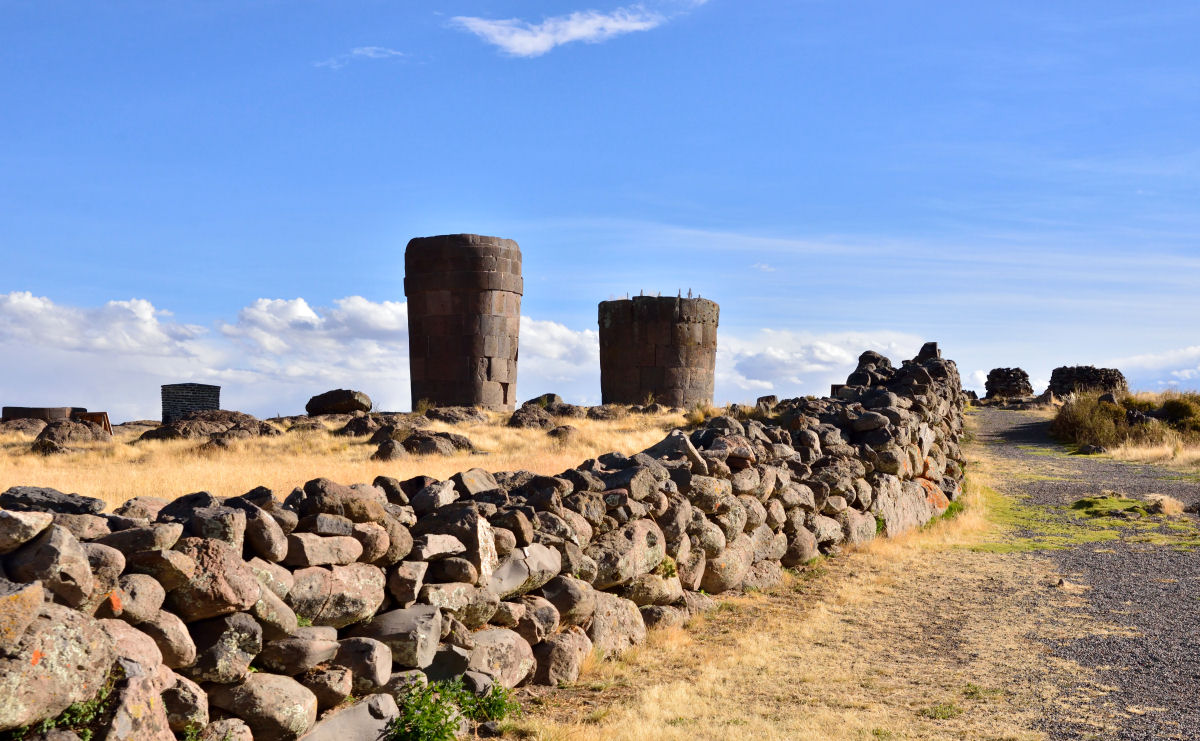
1175,454
1164,504
118,471
912,638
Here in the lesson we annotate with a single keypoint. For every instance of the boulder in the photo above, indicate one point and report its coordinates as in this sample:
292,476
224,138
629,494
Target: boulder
574,599
186,705
525,570
172,638
292,656
503,655
366,719
222,582
276,708
19,605
56,559
560,657
624,553
225,646
727,570
369,661
43,499
63,657
18,528
411,633
308,549
338,401
616,624
227,729
140,713
155,537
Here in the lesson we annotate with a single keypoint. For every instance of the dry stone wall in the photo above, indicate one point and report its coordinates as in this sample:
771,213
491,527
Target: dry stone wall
1069,379
256,616
1008,383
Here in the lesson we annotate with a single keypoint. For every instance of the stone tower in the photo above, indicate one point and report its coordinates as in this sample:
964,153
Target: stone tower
660,347
464,317
180,398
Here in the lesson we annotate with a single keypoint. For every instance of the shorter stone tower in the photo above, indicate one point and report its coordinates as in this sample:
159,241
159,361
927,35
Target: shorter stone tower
180,398
659,347
464,319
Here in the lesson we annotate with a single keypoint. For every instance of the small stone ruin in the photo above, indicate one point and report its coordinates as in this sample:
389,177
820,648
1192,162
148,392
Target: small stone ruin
180,399
1008,383
1070,379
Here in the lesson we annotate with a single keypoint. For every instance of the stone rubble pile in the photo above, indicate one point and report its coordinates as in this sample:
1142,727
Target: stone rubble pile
1007,383
255,617
1069,379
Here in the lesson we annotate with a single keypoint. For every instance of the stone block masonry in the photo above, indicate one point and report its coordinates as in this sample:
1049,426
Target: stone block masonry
660,347
1069,379
464,318
180,398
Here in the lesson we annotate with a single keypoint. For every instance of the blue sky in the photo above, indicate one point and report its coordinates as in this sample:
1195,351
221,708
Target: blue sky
222,191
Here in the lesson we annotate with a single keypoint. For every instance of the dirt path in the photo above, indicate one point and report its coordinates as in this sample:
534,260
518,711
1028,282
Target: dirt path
1019,619
1141,576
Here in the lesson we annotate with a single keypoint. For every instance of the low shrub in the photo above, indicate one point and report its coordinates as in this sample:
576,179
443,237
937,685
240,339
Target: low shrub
435,712
1136,420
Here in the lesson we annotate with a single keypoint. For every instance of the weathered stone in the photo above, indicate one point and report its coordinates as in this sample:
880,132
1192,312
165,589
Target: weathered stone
44,499
18,528
574,599
227,729
616,624
727,570
225,646
57,560
140,713
763,575
172,638
143,598
368,719
330,684
525,570
186,705
19,605
171,569
434,546
405,581
272,576
155,537
338,401
504,655
374,540
292,656
276,618
307,549
222,582
802,548
412,633
369,660
141,508
276,708
539,620
663,616
62,657
220,523
560,657
652,589
622,554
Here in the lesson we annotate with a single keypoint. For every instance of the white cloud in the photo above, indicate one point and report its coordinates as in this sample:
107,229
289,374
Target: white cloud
788,363
764,267
520,38
1175,367
978,381
359,52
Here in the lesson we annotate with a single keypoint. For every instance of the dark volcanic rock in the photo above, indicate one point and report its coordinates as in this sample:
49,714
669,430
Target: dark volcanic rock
338,401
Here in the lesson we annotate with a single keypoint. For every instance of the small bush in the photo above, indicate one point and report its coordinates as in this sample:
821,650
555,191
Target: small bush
1085,420
944,711
435,712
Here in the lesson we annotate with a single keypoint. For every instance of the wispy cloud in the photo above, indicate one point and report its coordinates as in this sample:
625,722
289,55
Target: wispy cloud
520,38
764,267
359,52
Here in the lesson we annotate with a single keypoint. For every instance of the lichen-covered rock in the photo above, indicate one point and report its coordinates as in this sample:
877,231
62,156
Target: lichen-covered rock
225,646
221,584
172,638
525,570
19,605
367,719
276,708
624,553
502,654
63,657
574,599
18,528
411,633
616,624
56,559
727,570
560,657
186,704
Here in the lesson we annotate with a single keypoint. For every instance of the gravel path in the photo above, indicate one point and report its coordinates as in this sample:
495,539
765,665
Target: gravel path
1152,591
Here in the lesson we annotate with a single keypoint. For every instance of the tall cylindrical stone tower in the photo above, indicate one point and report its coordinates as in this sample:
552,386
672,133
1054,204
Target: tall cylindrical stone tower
659,347
180,398
464,316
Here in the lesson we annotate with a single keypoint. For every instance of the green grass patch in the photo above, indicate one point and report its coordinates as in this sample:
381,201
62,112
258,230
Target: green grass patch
943,711
84,718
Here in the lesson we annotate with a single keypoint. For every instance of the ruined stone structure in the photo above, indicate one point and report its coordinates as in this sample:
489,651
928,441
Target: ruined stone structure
180,398
464,316
1069,379
660,347
258,616
46,414
1008,383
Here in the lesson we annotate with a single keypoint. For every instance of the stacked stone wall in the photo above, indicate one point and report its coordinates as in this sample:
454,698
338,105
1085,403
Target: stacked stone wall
658,348
178,399
464,318
1008,383
1070,379
257,616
